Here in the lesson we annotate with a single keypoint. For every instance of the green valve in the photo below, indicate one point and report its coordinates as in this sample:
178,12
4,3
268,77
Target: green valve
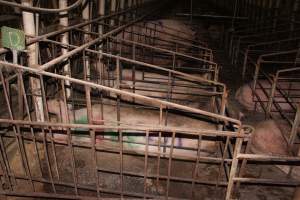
12,38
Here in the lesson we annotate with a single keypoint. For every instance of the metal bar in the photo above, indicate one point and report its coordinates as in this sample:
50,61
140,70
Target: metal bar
195,172
146,163
133,61
147,99
233,170
84,46
170,164
16,133
45,108
69,141
188,131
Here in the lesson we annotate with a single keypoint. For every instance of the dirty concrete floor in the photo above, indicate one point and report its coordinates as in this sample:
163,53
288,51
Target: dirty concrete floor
134,164
85,171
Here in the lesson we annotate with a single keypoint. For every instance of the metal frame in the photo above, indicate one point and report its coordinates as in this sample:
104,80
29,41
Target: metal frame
239,43
22,131
253,51
31,132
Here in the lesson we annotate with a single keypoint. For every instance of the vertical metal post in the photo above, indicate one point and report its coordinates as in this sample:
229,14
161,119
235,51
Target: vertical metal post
271,96
101,12
234,166
100,64
69,141
91,131
29,29
63,21
146,162
295,127
134,4
20,96
85,17
122,6
245,63
113,5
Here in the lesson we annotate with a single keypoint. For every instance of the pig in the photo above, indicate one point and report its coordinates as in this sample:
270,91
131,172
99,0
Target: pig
168,33
268,139
173,27
184,93
167,30
182,90
183,146
296,195
246,97
137,117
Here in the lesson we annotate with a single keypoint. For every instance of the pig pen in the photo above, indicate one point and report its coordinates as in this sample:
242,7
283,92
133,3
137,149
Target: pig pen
97,158
178,145
253,51
238,40
156,43
271,75
139,77
94,156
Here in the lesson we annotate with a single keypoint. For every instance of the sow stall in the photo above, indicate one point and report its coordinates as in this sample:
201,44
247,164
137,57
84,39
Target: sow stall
78,166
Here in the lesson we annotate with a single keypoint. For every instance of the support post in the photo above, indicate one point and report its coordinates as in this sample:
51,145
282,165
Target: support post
20,95
122,6
101,12
113,7
295,129
234,168
86,17
64,22
29,29
134,4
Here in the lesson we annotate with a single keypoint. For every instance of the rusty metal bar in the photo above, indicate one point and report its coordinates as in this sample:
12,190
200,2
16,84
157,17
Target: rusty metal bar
147,99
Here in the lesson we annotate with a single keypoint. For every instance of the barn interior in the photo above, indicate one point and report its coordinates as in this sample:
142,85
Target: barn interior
150,99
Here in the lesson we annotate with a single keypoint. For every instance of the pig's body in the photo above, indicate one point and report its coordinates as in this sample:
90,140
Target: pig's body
246,97
138,116
168,32
175,30
268,139
183,147
156,85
